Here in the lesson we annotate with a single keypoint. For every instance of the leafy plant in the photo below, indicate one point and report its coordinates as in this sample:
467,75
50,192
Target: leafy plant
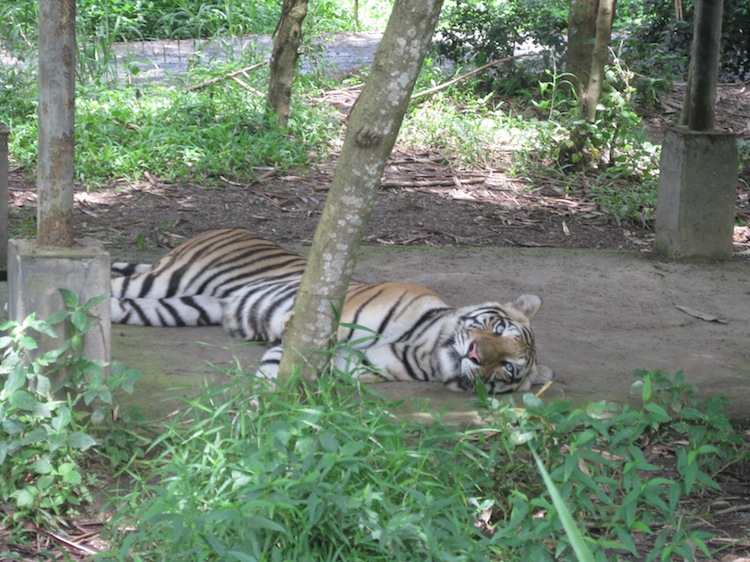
44,432
614,155
484,31
597,463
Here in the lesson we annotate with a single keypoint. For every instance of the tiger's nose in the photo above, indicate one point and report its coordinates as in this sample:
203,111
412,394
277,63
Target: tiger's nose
473,353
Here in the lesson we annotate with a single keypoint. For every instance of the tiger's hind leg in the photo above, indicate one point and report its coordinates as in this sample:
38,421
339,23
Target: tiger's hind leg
198,310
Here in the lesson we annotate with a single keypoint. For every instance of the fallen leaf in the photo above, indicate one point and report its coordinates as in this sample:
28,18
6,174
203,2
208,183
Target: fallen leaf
699,314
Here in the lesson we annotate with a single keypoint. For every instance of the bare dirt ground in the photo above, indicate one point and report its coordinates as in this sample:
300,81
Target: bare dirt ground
472,234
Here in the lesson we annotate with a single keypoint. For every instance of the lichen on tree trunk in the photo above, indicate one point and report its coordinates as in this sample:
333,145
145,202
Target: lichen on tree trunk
589,82
373,126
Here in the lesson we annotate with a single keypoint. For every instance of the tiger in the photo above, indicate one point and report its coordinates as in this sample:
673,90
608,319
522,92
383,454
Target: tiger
398,331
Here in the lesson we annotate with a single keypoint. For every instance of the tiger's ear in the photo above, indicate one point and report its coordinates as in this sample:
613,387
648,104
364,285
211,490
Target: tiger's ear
528,304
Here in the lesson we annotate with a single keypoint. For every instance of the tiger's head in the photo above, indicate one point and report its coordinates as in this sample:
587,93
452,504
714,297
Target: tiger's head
494,342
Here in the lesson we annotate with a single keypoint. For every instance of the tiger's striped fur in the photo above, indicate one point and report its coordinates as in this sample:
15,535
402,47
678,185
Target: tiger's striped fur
397,331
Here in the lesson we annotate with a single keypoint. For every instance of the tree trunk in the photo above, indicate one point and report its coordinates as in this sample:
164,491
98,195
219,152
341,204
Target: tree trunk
599,57
374,123
284,58
581,37
700,99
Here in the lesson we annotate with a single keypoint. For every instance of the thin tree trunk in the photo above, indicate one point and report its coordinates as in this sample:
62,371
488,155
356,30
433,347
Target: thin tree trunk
700,100
374,123
581,37
599,57
284,58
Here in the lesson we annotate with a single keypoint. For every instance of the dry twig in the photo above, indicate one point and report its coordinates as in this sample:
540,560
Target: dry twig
469,74
229,76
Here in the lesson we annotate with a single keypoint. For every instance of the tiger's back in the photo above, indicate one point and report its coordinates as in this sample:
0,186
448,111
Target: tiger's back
214,263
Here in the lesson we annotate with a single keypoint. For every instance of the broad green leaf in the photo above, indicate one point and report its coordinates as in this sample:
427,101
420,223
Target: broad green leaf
54,355
70,299
58,316
42,466
28,343
43,386
24,498
16,380
62,419
658,411
13,427
241,556
646,389
79,320
94,301
519,437
70,473
328,441
45,328
263,523
36,435
533,402
23,400
80,440
98,416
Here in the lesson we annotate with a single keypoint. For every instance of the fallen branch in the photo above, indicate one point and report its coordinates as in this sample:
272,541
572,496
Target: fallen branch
71,544
469,74
247,86
230,76
428,183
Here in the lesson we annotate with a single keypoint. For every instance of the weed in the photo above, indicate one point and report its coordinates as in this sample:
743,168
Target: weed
52,407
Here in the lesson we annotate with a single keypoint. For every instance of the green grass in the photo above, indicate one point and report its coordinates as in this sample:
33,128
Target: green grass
219,131
330,475
118,20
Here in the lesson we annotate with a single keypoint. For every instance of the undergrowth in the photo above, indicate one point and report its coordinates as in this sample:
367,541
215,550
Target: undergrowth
332,474
57,417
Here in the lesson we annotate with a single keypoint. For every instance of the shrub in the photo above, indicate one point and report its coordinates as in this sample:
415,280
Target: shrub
45,431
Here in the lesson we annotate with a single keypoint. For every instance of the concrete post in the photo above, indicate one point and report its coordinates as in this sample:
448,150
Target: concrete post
698,172
35,273
694,215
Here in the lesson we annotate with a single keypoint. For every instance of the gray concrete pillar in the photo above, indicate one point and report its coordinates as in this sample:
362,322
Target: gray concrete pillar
695,209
